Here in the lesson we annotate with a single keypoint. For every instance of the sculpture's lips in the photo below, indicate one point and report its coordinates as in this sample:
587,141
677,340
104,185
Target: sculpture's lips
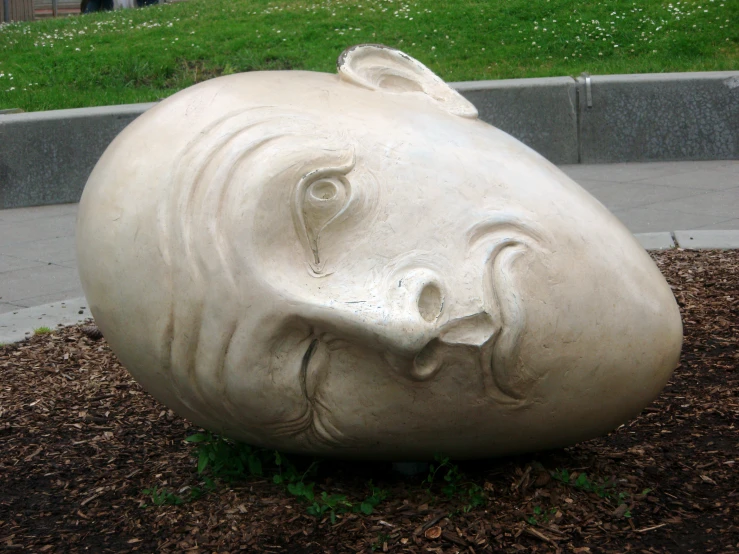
312,367
305,364
317,426
315,364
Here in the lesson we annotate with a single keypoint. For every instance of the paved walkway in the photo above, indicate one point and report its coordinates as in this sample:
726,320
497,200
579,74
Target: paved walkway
38,261
666,196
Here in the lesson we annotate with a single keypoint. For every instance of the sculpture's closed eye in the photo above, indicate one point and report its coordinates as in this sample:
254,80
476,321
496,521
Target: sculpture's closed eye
321,197
322,201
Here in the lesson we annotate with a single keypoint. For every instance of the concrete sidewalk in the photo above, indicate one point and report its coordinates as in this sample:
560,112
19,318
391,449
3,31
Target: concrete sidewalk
37,250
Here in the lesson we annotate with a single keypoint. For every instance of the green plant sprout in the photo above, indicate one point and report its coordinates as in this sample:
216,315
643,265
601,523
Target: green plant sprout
230,461
582,482
541,515
455,483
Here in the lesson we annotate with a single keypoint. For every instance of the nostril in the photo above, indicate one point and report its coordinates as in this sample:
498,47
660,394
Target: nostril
430,302
428,361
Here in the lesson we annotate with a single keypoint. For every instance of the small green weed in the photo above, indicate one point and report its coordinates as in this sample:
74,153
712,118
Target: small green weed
230,461
382,538
163,497
226,459
582,482
541,515
334,504
42,331
455,483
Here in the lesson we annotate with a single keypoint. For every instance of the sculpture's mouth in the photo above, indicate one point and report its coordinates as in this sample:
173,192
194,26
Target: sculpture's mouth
314,422
314,365
304,367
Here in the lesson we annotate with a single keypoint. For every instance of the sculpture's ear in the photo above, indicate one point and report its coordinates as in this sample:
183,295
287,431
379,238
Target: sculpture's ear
378,67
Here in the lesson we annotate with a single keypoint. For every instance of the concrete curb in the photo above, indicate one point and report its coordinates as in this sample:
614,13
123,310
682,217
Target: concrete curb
656,241
541,113
690,240
20,325
46,157
696,240
659,117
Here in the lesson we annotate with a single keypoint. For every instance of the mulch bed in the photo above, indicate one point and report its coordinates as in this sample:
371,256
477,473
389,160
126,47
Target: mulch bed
80,440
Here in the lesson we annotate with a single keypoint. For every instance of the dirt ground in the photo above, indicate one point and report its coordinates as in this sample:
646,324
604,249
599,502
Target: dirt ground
80,441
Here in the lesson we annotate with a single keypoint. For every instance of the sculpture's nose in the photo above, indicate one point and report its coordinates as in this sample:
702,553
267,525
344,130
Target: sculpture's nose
471,333
460,325
444,305
418,315
473,330
430,302
439,314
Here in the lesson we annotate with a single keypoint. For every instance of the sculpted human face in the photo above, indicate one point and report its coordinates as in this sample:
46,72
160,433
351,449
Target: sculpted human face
360,268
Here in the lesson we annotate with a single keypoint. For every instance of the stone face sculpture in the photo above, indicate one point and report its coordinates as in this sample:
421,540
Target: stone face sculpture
354,265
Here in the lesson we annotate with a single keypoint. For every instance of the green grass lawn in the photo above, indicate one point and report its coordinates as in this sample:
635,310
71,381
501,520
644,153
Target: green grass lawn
146,54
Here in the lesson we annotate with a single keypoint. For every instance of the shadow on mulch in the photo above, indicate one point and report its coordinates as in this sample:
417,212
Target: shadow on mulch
80,440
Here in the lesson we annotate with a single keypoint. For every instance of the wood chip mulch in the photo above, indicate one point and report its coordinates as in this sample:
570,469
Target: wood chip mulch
80,441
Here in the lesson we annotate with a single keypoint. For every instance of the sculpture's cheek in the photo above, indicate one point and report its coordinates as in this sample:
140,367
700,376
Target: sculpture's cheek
598,345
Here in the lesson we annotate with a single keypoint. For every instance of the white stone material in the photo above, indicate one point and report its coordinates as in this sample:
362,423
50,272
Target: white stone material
353,265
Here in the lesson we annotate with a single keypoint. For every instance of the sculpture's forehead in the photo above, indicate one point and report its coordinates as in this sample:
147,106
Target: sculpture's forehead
457,169
327,97
410,160
387,129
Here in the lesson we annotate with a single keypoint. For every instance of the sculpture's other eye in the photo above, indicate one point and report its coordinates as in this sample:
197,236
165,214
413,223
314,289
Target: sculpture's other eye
321,198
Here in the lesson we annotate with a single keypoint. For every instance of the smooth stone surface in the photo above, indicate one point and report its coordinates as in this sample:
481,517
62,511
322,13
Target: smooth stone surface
662,116
20,324
354,265
707,239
